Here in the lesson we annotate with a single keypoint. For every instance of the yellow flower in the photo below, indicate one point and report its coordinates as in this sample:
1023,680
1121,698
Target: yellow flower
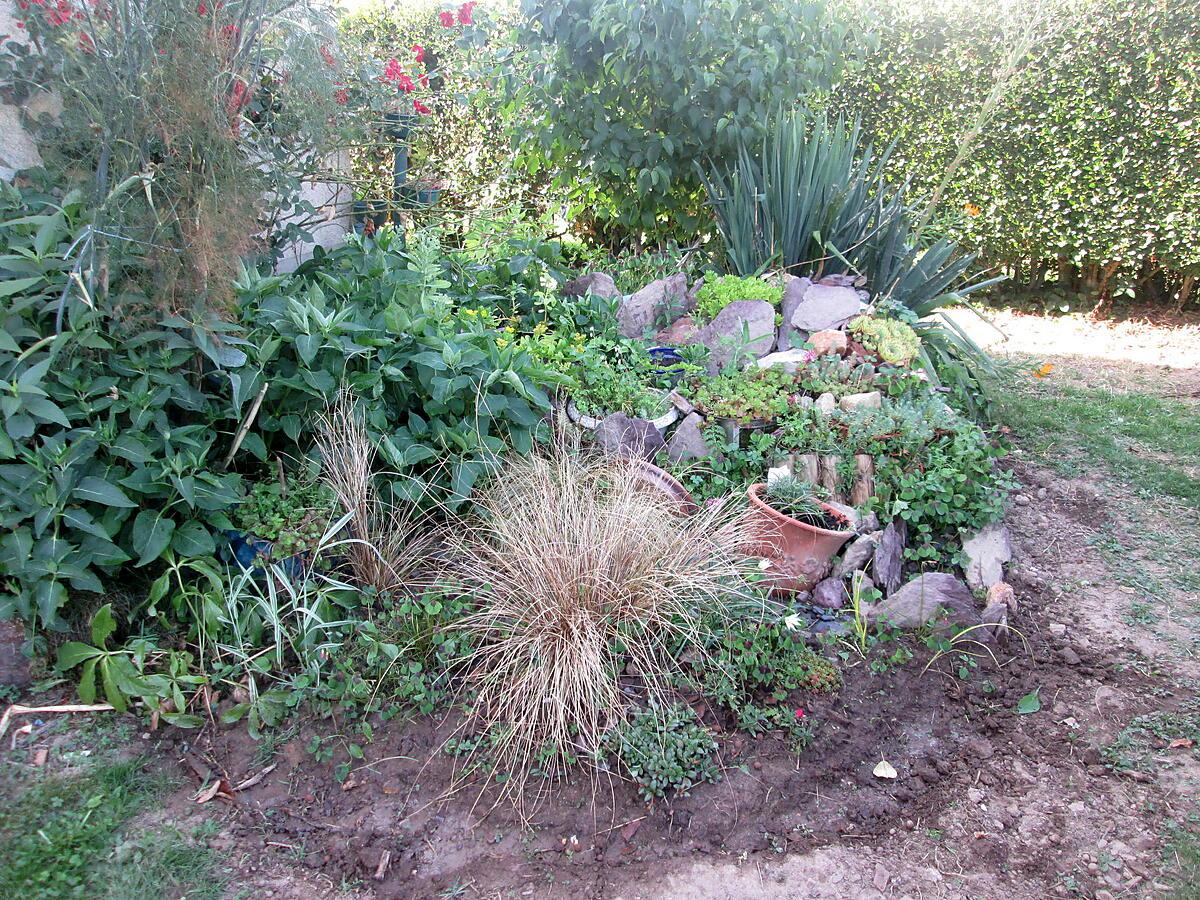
501,343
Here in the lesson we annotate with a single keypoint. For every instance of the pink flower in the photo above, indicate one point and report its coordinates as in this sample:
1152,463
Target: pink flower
799,713
421,108
393,71
447,19
465,13
201,9
406,84
327,55
341,96
424,79
419,51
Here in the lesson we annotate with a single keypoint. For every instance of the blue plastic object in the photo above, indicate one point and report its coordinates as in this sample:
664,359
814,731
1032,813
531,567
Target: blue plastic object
251,552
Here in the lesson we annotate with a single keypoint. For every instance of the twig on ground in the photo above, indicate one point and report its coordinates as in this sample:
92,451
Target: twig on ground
17,709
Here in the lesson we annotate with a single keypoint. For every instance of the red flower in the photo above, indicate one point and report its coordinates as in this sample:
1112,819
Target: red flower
201,9
799,713
465,13
327,55
419,51
406,84
229,33
447,19
341,96
393,71
424,79
421,108
86,44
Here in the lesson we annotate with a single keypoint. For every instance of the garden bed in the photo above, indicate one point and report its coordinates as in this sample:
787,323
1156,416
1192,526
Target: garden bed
936,729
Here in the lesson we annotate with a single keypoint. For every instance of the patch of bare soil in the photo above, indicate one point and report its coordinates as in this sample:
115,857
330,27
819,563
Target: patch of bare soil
988,802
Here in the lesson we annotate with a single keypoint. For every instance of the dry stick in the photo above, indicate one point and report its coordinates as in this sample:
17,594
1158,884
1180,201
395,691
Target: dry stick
244,428
17,710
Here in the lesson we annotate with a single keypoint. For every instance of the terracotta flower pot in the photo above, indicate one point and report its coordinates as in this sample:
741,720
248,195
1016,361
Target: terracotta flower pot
798,554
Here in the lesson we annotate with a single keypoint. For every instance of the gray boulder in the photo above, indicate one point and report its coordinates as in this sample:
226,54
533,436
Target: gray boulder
843,280
688,440
745,329
660,301
622,435
793,295
825,307
925,598
593,283
889,556
987,551
830,593
857,556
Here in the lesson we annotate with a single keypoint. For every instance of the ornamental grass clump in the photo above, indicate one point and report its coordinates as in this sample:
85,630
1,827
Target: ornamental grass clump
580,571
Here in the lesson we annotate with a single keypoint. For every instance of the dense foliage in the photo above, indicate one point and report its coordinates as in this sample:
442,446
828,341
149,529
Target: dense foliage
718,69
127,434
1086,172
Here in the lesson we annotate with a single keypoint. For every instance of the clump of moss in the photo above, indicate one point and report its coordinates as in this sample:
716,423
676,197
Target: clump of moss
718,293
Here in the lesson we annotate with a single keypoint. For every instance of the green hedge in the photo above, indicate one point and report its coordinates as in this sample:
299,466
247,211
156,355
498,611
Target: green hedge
1088,172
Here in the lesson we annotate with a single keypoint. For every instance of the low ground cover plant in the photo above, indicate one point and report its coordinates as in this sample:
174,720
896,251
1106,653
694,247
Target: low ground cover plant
718,292
664,750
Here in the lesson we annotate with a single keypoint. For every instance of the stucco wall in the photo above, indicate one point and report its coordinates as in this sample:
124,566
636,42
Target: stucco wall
17,149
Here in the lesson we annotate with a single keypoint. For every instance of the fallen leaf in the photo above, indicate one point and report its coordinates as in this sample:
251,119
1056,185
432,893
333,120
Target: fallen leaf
39,758
391,789
1043,370
1180,743
209,792
884,769
1030,703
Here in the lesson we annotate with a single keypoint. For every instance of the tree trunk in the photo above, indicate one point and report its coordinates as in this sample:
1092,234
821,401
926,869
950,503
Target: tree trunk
1099,277
1185,291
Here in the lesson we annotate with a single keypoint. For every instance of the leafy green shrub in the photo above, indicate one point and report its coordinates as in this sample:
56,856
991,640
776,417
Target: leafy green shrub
1097,133
719,69
933,468
664,748
111,432
891,340
123,428
619,377
717,293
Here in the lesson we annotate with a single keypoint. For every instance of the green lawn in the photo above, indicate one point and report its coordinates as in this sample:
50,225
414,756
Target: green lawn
74,836
1150,443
